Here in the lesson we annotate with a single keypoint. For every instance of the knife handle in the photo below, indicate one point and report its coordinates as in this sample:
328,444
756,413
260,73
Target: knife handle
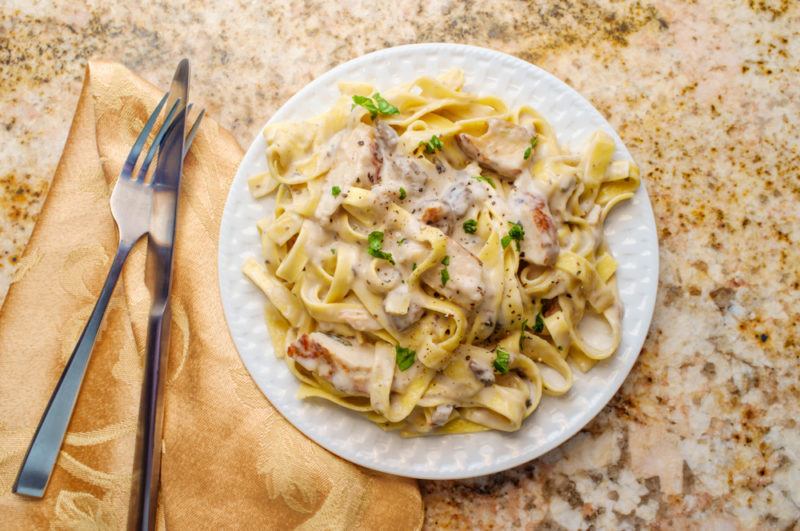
147,463
37,467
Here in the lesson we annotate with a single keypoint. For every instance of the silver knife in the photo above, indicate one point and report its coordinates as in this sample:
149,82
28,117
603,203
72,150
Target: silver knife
161,238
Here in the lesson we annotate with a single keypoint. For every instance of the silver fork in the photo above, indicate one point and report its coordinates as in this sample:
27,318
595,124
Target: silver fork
130,206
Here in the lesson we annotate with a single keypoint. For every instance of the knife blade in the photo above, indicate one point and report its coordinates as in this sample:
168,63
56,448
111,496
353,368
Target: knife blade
160,247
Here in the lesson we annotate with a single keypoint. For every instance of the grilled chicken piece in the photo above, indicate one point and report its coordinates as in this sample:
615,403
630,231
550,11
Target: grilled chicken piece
357,162
529,208
436,213
345,365
465,283
500,149
397,167
445,212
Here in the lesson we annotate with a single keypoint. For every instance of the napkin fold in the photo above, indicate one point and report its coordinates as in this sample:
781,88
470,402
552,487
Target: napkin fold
230,459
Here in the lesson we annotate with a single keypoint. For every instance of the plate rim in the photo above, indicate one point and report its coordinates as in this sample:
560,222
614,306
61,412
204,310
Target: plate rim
646,312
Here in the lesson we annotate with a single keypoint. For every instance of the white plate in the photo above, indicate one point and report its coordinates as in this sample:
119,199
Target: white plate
630,231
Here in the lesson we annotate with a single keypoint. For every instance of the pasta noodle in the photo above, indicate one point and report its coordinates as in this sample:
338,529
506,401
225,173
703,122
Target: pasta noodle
435,260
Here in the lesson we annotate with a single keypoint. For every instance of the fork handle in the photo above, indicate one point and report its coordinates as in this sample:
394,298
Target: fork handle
34,474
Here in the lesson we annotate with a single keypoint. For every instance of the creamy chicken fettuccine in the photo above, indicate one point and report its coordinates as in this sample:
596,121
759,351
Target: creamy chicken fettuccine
435,260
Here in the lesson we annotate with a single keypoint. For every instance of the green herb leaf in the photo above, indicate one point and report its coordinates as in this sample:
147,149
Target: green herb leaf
379,106
433,144
375,242
470,226
403,193
405,357
487,180
529,149
401,241
501,360
445,275
446,260
516,233
335,191
384,107
413,266
538,326
367,103
333,251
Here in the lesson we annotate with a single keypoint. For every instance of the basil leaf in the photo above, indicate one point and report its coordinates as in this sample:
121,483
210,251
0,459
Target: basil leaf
384,107
435,143
501,360
404,356
367,103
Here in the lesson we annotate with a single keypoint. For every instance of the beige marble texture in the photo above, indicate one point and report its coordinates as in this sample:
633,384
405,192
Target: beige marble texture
704,433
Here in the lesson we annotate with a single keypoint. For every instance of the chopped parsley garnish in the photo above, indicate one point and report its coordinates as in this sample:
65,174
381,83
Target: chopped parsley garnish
446,260
538,326
433,144
529,149
375,242
413,266
333,251
470,226
516,233
401,241
367,103
487,180
405,357
384,107
335,191
501,360
445,275
379,106
403,193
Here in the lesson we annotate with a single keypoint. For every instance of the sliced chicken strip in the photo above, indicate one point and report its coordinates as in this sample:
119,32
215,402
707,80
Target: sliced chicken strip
347,366
529,208
443,213
465,283
397,168
500,149
357,162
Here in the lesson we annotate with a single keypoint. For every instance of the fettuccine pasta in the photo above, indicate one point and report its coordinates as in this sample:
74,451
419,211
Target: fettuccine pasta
435,260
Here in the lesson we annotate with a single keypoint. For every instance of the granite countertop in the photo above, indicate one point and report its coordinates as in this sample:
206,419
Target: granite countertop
705,96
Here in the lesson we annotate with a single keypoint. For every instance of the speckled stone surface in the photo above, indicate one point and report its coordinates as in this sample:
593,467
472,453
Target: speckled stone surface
704,433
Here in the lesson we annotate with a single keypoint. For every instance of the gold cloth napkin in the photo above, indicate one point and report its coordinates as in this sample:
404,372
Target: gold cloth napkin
230,460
